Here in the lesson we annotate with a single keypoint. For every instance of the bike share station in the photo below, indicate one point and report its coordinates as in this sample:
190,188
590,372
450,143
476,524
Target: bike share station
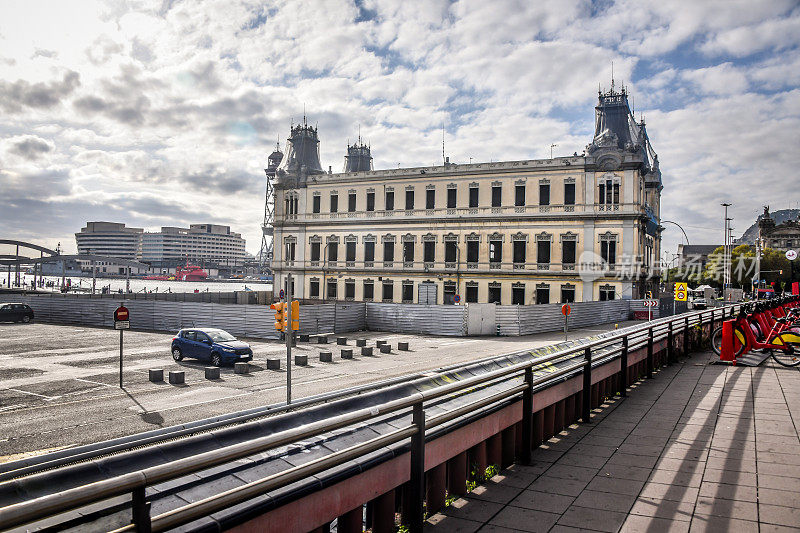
760,330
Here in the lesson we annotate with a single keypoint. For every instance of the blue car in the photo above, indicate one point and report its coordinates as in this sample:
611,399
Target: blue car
216,346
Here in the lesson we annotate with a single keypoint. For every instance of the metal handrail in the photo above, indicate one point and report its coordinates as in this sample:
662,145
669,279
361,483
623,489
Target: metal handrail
45,506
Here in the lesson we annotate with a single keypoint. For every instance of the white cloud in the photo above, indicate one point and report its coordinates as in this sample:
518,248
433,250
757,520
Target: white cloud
173,108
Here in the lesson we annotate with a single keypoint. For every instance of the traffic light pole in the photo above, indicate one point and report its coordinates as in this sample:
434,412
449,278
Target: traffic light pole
288,335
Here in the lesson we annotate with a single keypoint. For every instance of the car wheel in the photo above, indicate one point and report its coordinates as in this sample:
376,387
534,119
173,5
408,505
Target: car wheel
177,354
26,319
216,360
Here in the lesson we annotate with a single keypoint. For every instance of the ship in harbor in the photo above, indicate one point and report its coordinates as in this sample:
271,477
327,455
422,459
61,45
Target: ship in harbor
190,273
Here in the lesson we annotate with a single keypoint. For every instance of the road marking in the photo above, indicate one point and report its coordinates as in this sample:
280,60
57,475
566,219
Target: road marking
12,407
46,398
96,382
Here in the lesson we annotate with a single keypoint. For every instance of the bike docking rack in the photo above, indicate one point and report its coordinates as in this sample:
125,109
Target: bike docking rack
300,470
744,333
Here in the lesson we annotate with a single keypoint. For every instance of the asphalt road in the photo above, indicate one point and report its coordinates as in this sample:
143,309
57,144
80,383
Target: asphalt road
59,385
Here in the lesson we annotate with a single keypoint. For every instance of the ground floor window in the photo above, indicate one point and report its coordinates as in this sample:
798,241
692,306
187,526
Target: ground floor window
313,289
350,289
408,292
518,295
388,290
607,292
472,293
567,293
543,294
332,289
494,293
369,290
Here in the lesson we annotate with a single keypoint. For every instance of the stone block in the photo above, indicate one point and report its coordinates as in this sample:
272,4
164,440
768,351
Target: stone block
304,338
212,372
402,346
156,374
361,342
244,368
177,377
347,354
379,343
301,360
366,350
272,364
322,339
386,348
341,341
326,357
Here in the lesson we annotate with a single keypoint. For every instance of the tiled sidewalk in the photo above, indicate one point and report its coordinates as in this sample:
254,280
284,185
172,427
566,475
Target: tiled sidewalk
698,448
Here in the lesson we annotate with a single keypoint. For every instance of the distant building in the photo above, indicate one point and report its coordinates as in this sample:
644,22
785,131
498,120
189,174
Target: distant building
200,243
509,232
784,236
110,238
210,244
695,254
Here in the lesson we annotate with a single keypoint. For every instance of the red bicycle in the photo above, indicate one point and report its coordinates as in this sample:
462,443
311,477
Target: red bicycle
782,339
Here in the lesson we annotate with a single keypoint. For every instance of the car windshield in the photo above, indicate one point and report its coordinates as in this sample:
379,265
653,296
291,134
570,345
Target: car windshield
218,335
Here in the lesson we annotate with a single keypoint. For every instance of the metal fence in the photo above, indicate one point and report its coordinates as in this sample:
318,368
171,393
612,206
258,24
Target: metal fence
256,321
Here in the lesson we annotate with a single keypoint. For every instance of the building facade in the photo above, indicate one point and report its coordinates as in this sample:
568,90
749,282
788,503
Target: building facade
110,238
577,228
199,243
784,236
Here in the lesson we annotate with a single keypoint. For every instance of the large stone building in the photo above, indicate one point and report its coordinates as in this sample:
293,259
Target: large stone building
785,236
576,228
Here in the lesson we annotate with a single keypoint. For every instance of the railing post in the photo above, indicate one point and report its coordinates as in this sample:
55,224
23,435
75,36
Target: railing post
417,482
141,511
686,336
527,417
586,396
649,353
670,351
624,367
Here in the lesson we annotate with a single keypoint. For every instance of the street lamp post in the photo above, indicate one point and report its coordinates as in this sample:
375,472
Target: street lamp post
725,279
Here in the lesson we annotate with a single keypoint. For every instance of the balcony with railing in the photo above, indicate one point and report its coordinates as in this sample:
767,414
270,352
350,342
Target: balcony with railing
447,267
532,211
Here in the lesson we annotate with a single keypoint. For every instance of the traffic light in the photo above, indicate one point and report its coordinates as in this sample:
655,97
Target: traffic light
295,315
280,315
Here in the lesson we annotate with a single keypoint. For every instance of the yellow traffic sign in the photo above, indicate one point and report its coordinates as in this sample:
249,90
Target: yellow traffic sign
681,292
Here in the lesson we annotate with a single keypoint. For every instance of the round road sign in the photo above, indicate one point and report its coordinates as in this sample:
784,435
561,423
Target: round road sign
565,309
121,314
281,294
456,298
791,255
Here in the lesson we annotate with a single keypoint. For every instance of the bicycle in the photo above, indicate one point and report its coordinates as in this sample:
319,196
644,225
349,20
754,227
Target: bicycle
782,342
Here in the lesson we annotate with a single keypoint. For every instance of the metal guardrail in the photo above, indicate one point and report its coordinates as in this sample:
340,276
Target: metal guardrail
135,483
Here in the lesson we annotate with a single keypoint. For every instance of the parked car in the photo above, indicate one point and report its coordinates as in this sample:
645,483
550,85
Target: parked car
11,312
214,345
699,303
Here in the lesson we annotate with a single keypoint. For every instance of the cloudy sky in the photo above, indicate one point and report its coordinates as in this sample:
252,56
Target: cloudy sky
163,113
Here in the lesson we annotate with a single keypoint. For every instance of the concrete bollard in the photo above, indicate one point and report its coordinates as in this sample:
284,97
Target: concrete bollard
304,338
326,357
272,364
322,339
156,374
366,350
244,368
301,360
347,354
402,346
177,377
379,343
341,341
386,348
361,342
212,372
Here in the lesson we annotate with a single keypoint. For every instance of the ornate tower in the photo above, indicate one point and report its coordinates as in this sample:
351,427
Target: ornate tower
301,158
358,157
265,255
